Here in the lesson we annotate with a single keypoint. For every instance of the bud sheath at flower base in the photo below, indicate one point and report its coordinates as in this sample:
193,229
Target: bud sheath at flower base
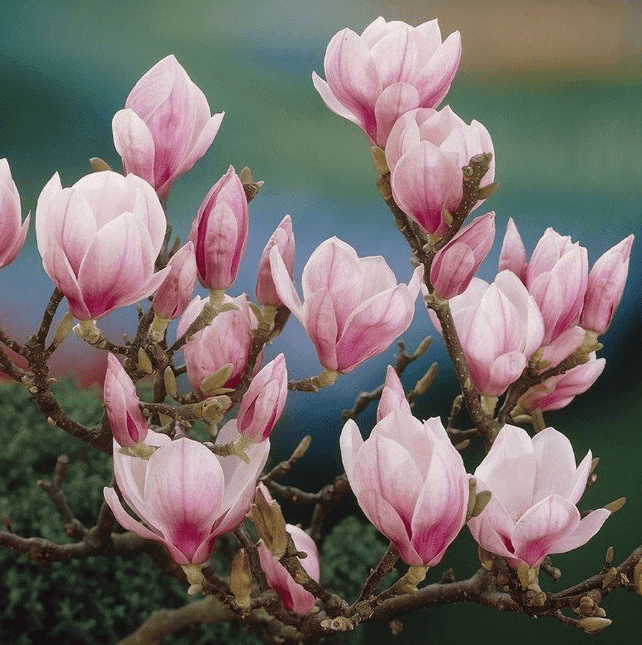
283,240
12,230
165,127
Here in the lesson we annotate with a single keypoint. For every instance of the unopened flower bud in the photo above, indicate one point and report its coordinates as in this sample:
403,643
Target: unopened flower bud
269,523
241,579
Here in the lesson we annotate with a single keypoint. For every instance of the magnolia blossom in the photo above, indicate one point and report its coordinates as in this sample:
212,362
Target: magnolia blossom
185,495
391,68
293,595
165,127
99,240
410,482
605,287
174,294
12,230
283,240
219,232
392,397
353,307
226,340
535,486
122,405
426,152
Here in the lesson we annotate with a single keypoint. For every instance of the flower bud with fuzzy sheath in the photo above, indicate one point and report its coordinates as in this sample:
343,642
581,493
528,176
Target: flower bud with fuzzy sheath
175,293
410,482
122,404
12,230
535,486
166,126
219,232
283,240
391,68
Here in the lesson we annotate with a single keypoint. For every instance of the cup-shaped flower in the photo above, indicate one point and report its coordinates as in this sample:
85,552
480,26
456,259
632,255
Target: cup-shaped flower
293,595
166,126
283,240
392,397
410,482
263,403
499,326
226,340
391,68
219,232
605,287
12,230
353,307
184,495
535,485
426,152
99,240
175,293
121,402
455,265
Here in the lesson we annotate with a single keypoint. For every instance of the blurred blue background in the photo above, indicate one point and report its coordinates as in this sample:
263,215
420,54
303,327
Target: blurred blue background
557,84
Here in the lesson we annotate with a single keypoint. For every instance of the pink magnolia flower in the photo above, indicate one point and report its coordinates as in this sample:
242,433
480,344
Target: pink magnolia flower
353,307
293,595
535,485
392,397
165,127
455,265
410,482
219,232
174,294
605,287
263,403
426,152
283,240
99,240
390,69
184,495
513,254
12,230
121,402
226,340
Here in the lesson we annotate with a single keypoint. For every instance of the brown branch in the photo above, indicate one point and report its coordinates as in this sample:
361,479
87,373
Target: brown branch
385,566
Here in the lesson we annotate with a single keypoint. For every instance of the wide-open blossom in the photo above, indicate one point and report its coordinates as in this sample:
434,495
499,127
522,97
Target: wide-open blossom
184,495
353,307
219,232
535,486
410,482
165,127
283,239
99,240
426,152
12,230
122,404
391,68
226,340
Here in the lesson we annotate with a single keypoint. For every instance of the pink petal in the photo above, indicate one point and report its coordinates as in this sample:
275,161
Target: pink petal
134,143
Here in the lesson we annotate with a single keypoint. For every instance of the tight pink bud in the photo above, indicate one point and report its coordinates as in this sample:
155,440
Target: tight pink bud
393,397
175,292
283,240
12,230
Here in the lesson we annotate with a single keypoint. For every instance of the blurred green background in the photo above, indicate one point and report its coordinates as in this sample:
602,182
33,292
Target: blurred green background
557,84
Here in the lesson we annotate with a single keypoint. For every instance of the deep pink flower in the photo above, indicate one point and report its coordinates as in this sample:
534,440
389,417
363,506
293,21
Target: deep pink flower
12,230
219,232
99,240
426,152
353,307
283,240
165,127
184,495
410,482
121,402
175,293
535,485
390,69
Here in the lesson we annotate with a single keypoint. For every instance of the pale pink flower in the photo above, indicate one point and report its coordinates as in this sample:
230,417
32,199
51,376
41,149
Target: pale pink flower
410,482
165,127
122,405
535,486
392,397
184,495
283,240
455,265
219,232
293,595
391,68
353,307
12,230
426,152
605,287
99,240
175,293
513,253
